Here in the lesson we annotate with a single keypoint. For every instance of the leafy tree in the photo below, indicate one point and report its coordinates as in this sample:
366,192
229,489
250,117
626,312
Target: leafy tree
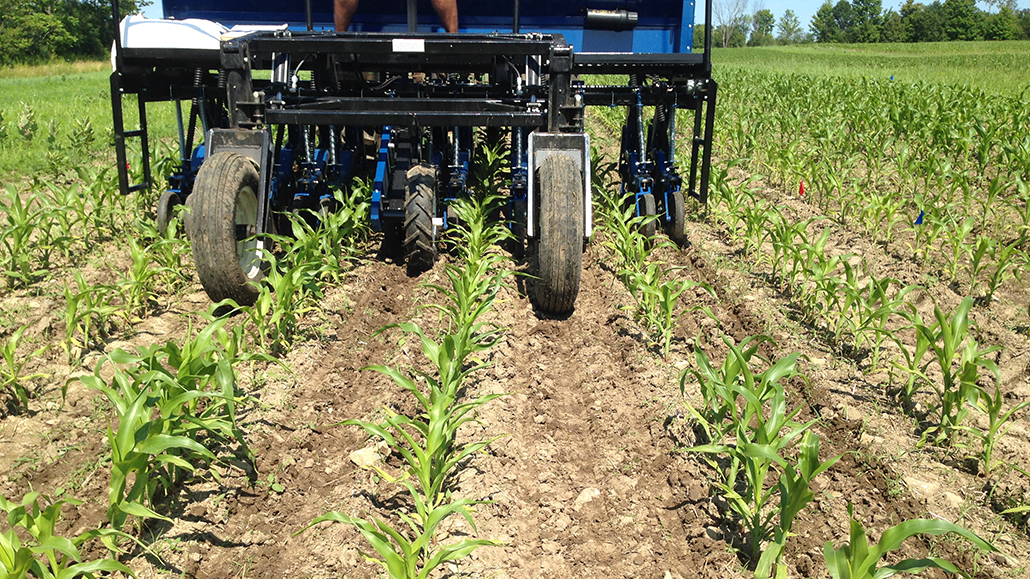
892,29
827,23
924,23
699,38
789,28
728,15
762,24
42,30
962,20
864,21
1002,26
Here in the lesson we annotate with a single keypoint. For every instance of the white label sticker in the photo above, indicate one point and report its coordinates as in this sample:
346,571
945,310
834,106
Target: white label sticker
409,45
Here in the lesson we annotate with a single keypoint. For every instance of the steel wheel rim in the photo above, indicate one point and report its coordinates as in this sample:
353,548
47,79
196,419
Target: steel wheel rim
248,248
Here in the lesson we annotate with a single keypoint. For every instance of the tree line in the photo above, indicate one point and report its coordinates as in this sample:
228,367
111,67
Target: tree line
867,21
33,31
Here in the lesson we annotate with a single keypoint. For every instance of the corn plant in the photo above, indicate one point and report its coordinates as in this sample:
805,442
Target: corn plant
960,359
11,371
173,405
283,297
332,238
21,233
746,420
170,250
138,286
625,239
44,554
413,552
794,488
874,307
428,442
87,314
655,292
857,559
999,421
1009,260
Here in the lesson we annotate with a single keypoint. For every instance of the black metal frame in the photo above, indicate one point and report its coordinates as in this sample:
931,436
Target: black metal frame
342,96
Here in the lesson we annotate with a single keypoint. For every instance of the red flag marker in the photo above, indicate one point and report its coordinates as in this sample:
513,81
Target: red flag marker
801,189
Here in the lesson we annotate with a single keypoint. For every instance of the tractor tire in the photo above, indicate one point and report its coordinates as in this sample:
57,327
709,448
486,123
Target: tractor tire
559,249
419,210
646,207
166,209
674,227
222,224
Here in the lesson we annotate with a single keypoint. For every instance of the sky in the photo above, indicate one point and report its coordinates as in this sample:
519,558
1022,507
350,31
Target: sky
804,9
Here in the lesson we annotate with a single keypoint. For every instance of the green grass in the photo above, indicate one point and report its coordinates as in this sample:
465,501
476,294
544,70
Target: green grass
59,97
1002,67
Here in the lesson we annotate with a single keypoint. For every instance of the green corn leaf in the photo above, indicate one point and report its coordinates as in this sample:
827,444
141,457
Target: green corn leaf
138,510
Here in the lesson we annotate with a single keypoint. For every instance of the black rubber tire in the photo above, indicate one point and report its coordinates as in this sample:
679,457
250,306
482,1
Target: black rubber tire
419,210
166,205
559,250
646,207
676,224
225,197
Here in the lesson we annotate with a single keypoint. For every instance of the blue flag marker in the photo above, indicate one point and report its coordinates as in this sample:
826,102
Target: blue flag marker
892,77
919,220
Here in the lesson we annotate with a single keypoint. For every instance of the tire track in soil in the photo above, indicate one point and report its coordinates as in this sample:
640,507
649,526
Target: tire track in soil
586,481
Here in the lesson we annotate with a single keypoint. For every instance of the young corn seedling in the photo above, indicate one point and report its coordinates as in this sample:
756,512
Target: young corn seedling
656,293
874,312
428,442
795,492
999,421
625,239
13,380
960,360
413,552
755,434
44,554
956,243
172,404
857,559
87,308
138,286
20,231
1009,261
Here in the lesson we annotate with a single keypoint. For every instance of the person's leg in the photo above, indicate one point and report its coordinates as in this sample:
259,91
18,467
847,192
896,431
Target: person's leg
343,11
447,10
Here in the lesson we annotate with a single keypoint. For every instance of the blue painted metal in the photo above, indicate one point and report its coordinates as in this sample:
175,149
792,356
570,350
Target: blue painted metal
382,169
663,26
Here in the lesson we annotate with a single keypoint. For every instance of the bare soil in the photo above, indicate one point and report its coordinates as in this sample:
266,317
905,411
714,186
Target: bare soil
588,477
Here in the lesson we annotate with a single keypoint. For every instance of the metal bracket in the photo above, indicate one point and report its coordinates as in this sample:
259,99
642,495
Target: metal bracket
543,145
254,145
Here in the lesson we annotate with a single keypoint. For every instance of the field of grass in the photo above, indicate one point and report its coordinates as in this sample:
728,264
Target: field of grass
996,67
839,347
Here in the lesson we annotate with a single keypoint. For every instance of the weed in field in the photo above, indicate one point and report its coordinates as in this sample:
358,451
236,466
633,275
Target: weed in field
27,123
